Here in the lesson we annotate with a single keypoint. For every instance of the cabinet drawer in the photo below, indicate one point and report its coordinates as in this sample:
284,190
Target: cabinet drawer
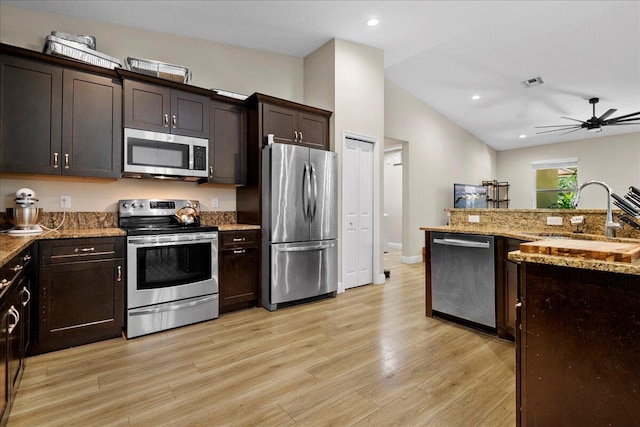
78,250
239,239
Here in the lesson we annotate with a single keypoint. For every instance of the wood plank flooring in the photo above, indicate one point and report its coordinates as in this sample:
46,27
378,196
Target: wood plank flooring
367,357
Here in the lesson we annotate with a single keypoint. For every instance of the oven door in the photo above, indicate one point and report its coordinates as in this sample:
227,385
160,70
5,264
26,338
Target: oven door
171,267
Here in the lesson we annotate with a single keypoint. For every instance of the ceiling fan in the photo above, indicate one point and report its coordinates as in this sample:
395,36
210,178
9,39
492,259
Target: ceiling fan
595,124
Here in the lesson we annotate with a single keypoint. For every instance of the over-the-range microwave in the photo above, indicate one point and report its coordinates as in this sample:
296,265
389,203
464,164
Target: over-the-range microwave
161,155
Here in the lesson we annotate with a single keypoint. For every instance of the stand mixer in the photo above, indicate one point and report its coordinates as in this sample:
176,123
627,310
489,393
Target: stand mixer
25,216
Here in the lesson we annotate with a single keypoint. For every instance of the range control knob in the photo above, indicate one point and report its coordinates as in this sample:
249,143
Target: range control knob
133,205
125,206
141,205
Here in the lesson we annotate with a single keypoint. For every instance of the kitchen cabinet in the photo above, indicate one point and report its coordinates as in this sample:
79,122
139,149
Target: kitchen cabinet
163,109
238,269
59,121
291,126
81,291
15,311
227,143
577,347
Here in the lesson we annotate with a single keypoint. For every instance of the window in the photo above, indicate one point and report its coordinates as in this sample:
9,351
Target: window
555,182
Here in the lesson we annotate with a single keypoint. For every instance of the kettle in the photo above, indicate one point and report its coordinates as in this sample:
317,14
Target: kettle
187,215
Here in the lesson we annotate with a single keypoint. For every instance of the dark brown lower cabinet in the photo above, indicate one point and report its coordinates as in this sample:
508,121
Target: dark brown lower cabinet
578,350
15,309
510,287
81,292
238,269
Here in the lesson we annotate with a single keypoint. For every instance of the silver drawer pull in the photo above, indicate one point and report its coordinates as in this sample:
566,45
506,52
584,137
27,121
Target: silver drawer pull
4,283
76,250
26,291
18,267
26,258
119,277
239,239
240,251
16,316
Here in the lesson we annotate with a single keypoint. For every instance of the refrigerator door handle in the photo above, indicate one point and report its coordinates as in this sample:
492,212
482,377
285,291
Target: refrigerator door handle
314,178
316,247
305,191
307,199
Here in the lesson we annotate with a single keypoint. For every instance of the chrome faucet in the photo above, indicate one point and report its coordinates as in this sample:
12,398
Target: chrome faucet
610,227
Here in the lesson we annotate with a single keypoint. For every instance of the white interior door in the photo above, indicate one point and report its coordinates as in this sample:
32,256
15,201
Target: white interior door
357,207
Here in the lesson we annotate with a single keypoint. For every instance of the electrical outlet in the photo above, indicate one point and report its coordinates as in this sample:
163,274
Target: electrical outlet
65,202
215,202
554,220
474,218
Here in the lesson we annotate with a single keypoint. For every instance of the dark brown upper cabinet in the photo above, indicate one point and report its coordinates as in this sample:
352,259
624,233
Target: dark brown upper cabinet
227,143
163,109
59,121
293,126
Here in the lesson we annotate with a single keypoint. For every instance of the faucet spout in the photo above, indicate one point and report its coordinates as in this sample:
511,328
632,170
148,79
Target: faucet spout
610,227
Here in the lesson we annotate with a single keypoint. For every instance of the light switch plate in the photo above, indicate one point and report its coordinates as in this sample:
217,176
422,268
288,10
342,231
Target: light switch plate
215,202
65,202
474,218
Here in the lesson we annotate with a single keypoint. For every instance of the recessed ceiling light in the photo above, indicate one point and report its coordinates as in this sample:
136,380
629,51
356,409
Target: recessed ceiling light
372,22
522,136
475,97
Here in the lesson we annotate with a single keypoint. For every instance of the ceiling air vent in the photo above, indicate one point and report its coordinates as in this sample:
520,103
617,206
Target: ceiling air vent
536,81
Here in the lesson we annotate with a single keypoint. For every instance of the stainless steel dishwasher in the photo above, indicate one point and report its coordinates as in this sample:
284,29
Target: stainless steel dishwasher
463,282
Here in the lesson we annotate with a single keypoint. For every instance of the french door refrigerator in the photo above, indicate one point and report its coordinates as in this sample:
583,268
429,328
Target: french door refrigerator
300,224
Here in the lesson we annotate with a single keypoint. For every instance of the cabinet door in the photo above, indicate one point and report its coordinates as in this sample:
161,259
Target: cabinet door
238,272
146,106
4,382
228,144
31,116
79,303
511,278
313,130
281,122
91,125
189,114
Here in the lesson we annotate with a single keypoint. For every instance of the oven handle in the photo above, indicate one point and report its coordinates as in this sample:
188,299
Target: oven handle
172,307
163,241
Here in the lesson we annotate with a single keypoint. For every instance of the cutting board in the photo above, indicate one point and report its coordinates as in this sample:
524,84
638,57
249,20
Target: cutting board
586,249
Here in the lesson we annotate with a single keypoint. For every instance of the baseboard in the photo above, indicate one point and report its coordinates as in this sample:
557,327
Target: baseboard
411,259
395,245
340,288
380,279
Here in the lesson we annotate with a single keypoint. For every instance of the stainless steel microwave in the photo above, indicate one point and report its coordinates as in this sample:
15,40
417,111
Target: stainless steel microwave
162,155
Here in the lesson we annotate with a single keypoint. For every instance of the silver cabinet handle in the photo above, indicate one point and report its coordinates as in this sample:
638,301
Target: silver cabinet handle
4,283
295,136
166,120
18,267
76,250
26,258
55,160
300,136
174,121
211,171
25,290
119,276
16,316
239,251
239,239
66,161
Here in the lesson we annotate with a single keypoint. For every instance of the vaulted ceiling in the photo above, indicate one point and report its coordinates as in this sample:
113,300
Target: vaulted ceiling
443,52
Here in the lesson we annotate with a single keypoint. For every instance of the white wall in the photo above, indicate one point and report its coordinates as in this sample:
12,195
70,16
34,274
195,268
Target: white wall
393,196
437,154
614,160
212,64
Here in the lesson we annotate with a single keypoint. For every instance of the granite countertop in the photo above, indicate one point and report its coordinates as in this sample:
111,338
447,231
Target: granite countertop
562,261
11,246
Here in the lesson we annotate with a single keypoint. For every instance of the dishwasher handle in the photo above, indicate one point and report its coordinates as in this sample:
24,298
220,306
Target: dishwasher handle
462,243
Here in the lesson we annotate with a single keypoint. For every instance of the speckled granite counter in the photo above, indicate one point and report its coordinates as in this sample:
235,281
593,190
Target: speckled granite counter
10,246
561,261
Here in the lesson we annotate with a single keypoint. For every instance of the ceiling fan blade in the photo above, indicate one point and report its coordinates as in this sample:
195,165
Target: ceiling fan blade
575,120
557,130
607,114
570,131
557,126
624,122
615,119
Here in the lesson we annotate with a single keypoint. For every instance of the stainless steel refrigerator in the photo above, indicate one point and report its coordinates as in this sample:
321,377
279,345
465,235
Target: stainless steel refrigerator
300,224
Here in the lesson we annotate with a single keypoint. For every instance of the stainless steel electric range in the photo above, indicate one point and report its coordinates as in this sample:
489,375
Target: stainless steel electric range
172,265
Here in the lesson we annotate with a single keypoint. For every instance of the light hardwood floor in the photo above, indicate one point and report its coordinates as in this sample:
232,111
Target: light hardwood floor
367,357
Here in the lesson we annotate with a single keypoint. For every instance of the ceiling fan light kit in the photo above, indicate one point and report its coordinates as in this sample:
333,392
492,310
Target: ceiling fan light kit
595,124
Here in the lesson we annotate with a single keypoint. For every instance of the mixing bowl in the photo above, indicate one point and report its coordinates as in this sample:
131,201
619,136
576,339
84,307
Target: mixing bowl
24,218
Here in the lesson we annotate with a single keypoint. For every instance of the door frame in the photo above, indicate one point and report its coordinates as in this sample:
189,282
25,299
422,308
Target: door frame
378,274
